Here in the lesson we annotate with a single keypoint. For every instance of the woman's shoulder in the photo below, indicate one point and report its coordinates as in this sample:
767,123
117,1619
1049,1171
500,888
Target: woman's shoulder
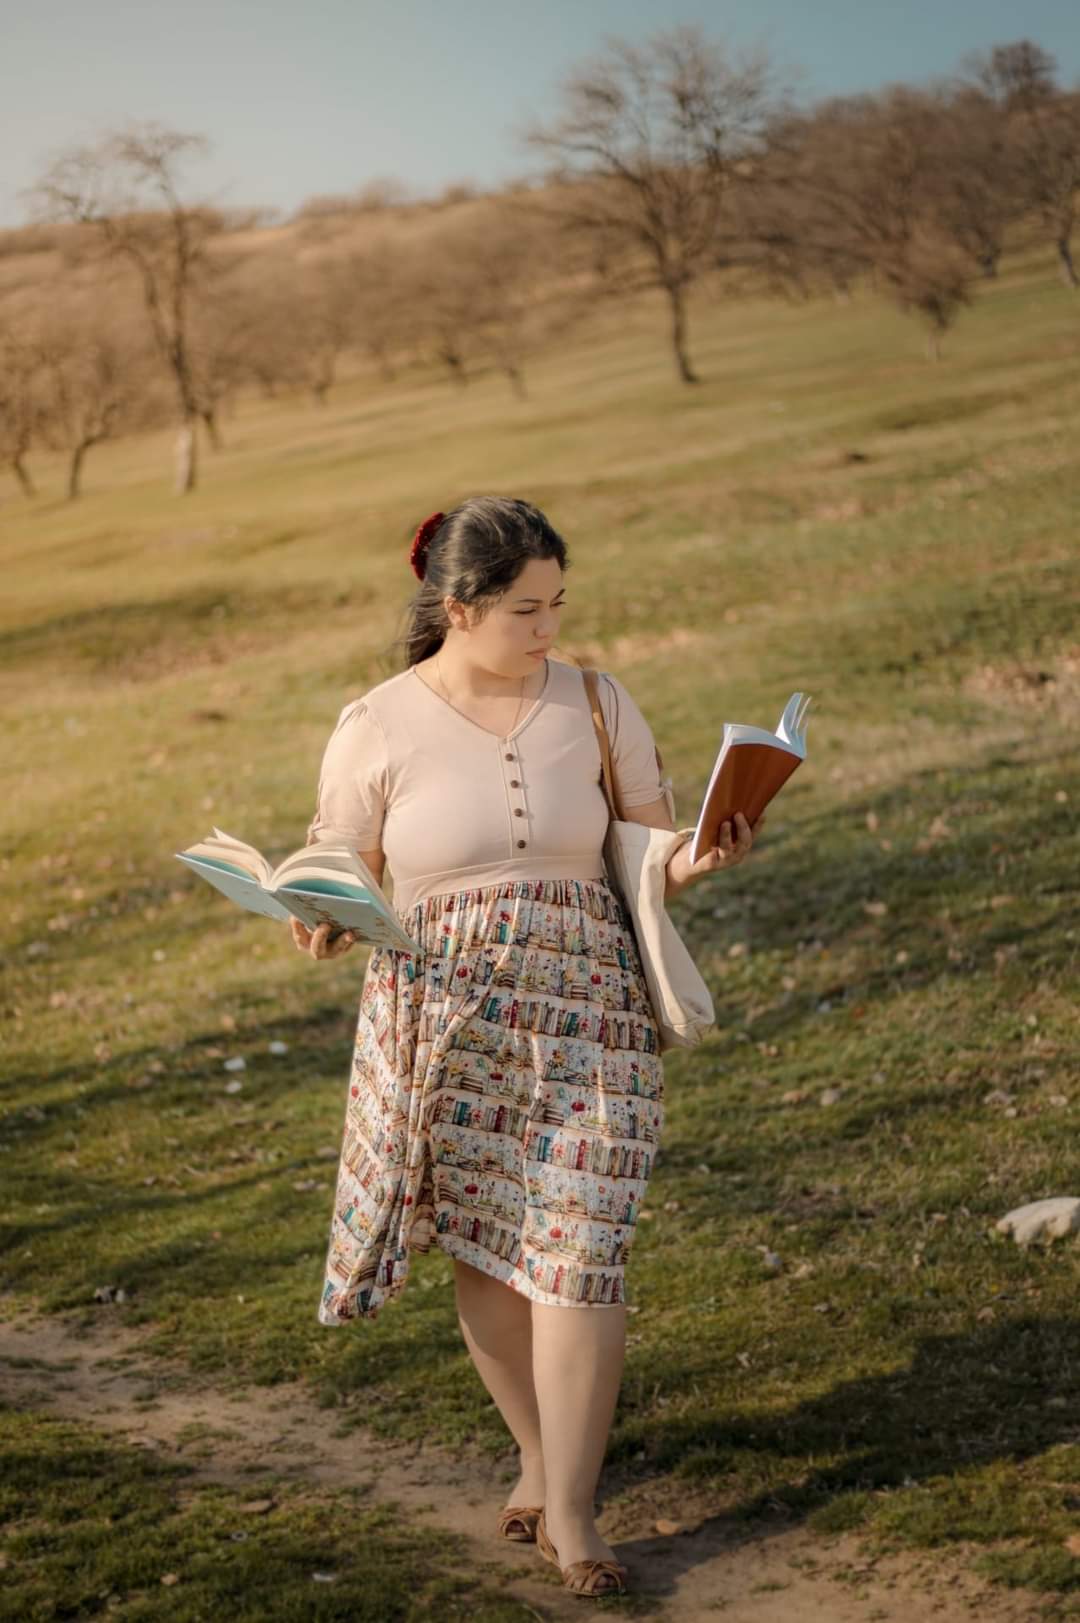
611,691
572,674
378,703
610,688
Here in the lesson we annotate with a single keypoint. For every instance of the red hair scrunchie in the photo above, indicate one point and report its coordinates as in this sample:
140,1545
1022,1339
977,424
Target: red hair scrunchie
421,542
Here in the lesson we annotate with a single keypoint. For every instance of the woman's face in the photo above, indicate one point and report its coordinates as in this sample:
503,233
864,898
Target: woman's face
519,628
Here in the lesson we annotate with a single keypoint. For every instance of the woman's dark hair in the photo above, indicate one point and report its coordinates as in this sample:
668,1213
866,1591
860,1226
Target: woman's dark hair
477,552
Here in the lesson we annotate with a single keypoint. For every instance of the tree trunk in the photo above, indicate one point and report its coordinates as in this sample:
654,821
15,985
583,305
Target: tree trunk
323,374
456,366
517,381
187,457
75,470
213,433
22,474
1065,259
677,298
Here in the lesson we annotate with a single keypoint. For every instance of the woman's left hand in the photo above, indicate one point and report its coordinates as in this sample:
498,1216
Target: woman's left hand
732,849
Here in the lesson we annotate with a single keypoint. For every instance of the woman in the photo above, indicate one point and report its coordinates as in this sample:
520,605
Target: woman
506,1093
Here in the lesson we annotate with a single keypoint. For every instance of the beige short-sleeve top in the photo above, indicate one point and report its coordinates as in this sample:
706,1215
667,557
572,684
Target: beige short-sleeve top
455,807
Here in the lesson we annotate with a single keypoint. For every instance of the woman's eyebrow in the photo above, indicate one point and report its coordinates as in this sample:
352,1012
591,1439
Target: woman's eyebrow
559,593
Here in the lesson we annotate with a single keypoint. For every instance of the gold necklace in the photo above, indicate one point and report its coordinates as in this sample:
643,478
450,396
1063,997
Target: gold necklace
453,706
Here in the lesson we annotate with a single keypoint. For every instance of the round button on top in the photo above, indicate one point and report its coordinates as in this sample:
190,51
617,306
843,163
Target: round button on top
509,757
518,812
521,844
515,783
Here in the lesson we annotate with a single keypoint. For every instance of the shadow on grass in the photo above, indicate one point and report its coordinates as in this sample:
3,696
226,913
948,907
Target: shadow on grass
1007,850
962,1400
994,1397
145,637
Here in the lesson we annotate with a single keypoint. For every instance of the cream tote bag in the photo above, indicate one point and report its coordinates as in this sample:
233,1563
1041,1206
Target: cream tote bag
636,858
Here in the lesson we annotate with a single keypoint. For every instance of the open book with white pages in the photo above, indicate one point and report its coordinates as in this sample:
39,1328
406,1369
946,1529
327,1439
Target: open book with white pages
326,882
751,767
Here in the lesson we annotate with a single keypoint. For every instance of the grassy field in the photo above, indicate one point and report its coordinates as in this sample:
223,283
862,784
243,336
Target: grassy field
894,970
95,1527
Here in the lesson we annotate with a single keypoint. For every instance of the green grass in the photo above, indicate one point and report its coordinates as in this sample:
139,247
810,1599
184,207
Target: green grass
827,511
92,1526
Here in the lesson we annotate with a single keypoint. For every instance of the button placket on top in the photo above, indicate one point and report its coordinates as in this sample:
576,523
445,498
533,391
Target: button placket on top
515,793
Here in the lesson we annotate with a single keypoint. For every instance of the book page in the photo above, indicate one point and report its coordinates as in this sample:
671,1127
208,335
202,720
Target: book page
791,728
238,852
331,863
235,884
325,857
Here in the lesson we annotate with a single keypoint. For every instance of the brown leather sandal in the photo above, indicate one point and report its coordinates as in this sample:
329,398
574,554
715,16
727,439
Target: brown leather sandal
592,1578
518,1523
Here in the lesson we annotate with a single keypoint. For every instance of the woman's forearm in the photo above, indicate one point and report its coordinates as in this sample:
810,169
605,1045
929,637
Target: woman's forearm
734,842
676,879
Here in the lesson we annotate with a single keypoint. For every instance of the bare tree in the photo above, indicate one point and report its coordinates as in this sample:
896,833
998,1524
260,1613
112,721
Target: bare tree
375,196
975,190
868,171
93,383
261,320
327,321
493,287
127,187
22,403
221,343
444,300
1019,76
780,226
1043,127
509,277
285,324
660,132
381,193
932,279
1047,147
383,314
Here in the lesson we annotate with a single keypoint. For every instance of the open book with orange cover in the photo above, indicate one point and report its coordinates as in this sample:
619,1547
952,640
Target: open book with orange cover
751,767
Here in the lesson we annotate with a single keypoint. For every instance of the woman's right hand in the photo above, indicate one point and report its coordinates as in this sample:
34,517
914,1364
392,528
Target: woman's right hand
316,942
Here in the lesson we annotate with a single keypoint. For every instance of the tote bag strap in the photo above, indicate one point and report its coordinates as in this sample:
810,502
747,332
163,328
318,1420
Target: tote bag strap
611,792
611,784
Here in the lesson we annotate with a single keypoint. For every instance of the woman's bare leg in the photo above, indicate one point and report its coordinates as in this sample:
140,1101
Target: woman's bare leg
496,1321
578,1355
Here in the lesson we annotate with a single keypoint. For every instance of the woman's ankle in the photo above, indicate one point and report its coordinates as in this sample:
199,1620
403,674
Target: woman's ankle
531,1475
570,1513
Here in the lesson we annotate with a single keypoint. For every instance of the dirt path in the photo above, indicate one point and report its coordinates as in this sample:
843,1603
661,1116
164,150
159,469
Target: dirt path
717,1569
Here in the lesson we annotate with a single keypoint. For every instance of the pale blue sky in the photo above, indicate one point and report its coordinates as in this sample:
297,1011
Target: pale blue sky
306,96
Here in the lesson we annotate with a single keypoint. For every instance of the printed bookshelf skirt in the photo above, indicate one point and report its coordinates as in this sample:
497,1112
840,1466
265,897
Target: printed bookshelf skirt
505,1099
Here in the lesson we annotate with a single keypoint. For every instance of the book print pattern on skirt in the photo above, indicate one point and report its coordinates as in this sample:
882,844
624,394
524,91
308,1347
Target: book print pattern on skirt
505,1099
